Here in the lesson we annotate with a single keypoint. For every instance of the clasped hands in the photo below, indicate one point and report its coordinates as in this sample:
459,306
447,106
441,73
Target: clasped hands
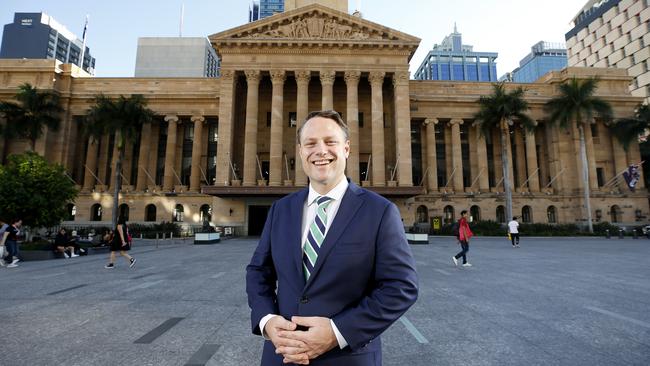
299,346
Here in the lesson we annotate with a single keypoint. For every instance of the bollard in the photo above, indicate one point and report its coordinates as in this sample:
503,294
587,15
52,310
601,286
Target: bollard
607,234
171,235
620,233
635,235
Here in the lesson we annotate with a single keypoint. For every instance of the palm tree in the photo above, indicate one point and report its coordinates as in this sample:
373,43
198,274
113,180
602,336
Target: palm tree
628,130
499,110
123,117
34,110
576,106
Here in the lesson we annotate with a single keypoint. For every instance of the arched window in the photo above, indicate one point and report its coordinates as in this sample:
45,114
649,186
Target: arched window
615,214
178,213
150,213
449,215
123,212
551,213
475,213
206,213
526,214
501,214
96,212
72,212
422,214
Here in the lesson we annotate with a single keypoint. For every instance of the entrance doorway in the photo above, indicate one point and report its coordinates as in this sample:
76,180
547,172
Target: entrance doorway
256,219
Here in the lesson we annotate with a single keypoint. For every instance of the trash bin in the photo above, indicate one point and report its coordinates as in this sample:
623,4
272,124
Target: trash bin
608,235
620,233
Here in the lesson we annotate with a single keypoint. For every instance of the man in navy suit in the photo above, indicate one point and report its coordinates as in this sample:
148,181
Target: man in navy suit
333,269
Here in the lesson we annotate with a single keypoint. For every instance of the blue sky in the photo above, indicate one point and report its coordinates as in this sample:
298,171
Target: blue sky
509,27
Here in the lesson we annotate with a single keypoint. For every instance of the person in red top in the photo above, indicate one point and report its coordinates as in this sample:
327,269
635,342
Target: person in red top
464,234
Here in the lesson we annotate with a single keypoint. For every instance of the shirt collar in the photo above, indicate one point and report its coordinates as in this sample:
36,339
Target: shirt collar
335,193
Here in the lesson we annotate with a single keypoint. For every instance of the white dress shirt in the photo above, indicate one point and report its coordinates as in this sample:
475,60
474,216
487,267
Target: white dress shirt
308,215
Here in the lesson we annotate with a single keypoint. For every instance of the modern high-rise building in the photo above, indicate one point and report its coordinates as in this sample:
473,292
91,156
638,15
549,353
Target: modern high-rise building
452,60
544,57
254,11
270,7
614,33
176,57
39,36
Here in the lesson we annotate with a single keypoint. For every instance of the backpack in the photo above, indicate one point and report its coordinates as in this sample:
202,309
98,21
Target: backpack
455,229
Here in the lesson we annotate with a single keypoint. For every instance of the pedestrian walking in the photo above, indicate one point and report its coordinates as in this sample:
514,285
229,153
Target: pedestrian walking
463,236
10,240
121,243
513,230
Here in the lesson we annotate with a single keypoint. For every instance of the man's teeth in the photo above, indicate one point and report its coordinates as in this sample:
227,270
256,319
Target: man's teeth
322,162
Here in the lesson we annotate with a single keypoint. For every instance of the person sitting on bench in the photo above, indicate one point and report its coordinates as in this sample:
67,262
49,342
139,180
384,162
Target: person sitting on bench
63,243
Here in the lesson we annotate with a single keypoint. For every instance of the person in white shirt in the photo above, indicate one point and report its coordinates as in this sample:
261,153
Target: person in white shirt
513,230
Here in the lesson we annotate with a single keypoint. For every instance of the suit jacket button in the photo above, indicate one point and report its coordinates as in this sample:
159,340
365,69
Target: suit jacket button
304,300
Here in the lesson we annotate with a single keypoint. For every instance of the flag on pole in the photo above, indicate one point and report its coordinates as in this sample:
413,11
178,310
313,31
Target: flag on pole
632,176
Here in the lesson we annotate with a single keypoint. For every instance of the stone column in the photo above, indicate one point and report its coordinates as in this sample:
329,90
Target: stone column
327,83
352,113
250,134
197,150
277,103
403,128
103,160
591,158
521,157
116,152
378,144
482,162
302,109
432,156
224,147
457,155
531,160
91,165
143,157
170,153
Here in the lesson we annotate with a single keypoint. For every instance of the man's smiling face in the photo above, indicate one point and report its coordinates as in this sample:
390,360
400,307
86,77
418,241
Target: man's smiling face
323,151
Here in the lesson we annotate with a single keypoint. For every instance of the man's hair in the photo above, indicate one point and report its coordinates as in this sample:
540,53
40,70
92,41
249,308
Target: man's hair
329,114
463,212
514,217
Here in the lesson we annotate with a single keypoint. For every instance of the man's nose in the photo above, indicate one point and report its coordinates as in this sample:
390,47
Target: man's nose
321,147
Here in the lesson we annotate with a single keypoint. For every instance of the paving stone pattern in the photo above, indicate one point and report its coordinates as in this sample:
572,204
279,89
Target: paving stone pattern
559,301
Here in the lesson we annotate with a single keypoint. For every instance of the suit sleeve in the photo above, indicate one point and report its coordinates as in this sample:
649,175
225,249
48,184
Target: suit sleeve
392,290
261,278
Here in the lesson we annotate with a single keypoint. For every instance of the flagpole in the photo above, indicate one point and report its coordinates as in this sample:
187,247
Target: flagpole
83,45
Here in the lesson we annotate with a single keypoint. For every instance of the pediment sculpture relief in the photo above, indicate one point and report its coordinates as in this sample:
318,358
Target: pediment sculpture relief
314,27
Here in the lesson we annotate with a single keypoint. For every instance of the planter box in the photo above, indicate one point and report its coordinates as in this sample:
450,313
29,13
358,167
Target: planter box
206,238
417,238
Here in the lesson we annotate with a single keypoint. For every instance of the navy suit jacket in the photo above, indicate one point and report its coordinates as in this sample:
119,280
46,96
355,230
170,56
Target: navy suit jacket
364,278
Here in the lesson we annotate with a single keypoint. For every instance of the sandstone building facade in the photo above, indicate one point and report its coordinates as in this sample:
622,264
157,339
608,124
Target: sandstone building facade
224,149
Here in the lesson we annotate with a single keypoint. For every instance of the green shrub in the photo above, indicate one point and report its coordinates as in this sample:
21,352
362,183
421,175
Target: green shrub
150,231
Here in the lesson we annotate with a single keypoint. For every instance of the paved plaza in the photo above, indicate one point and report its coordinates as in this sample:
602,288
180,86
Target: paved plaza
554,301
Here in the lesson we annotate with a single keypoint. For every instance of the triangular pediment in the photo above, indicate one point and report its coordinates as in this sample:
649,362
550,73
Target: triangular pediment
314,24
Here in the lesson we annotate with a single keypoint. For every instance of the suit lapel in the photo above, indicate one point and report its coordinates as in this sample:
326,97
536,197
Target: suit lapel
350,204
295,234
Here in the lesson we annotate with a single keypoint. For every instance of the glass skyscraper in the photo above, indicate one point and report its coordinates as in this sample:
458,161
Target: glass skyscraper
264,8
543,58
452,60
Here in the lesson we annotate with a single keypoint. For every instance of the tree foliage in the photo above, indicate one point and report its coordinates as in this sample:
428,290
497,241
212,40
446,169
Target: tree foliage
497,111
33,111
122,117
576,107
628,130
34,190
500,106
